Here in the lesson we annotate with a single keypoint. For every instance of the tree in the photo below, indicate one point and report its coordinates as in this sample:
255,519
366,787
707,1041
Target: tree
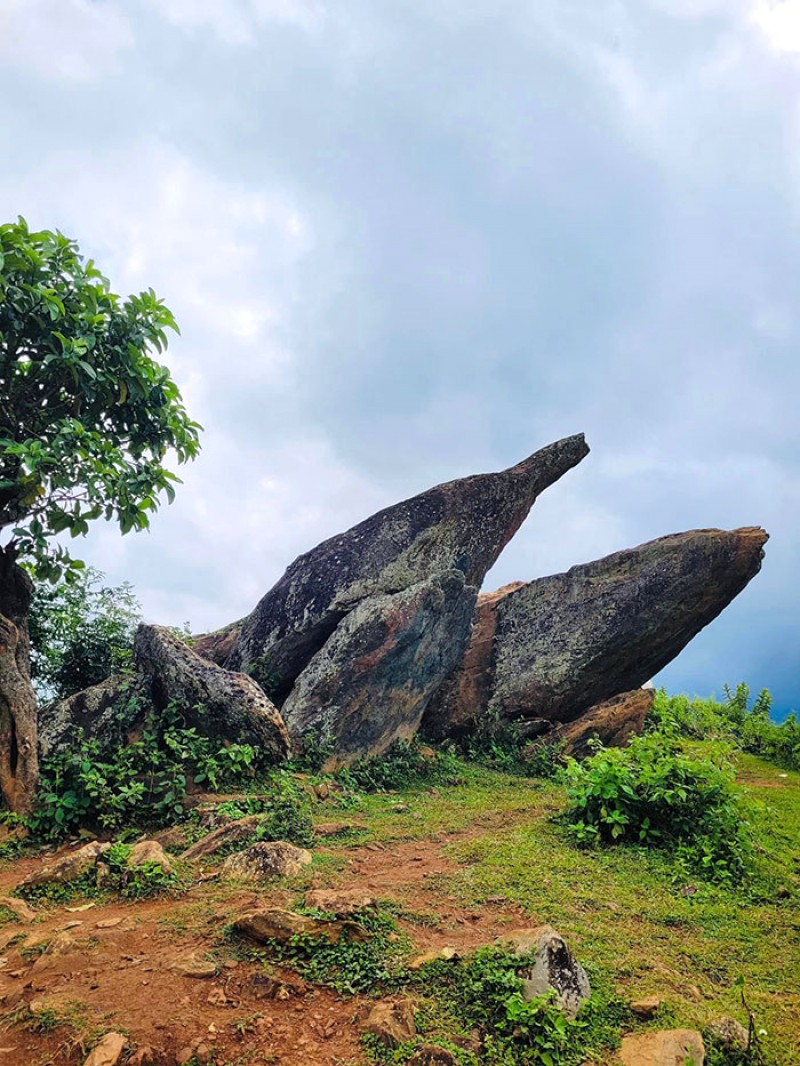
81,632
88,419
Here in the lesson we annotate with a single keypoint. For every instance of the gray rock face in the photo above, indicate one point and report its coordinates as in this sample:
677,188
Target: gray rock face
562,644
371,682
219,703
92,711
265,861
462,525
552,966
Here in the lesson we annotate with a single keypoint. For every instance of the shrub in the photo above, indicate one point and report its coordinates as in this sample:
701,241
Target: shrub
286,812
651,793
403,765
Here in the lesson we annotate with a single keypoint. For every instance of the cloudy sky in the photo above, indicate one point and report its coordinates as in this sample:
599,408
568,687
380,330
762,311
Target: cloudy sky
410,241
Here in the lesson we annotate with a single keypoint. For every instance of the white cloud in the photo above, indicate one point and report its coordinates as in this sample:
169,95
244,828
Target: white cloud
780,22
64,40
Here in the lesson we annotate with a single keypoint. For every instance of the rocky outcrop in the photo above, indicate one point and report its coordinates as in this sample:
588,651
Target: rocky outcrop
217,646
66,868
462,525
225,838
371,682
391,1021
612,722
218,703
265,924
565,643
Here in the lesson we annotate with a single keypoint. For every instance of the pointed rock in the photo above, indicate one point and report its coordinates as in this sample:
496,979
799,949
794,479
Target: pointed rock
462,525
372,681
217,702
564,643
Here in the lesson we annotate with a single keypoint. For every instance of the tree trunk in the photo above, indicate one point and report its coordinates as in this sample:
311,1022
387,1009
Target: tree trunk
19,762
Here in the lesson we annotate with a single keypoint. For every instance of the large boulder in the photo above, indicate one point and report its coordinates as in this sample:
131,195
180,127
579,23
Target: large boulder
219,703
565,643
371,682
461,525
95,712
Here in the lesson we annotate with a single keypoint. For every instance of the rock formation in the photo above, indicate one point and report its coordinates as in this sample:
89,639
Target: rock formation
564,643
371,682
613,722
461,525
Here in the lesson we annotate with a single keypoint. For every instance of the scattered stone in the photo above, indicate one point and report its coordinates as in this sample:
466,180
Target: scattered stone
144,1056
69,867
462,525
553,966
109,923
430,1055
18,907
335,829
341,902
391,1021
267,860
670,1047
150,851
646,1007
217,997
271,923
193,965
445,954
390,652
108,1052
729,1033
224,837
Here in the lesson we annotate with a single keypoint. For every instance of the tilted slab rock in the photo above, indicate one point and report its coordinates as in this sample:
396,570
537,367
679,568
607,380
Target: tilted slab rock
219,703
225,837
265,924
371,682
66,868
564,643
462,525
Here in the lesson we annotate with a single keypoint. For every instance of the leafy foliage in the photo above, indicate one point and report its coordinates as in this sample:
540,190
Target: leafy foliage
87,416
652,793
82,632
402,765
737,719
285,810
141,782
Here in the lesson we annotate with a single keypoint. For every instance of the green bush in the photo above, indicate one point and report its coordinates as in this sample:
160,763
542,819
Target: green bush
403,765
139,783
652,793
286,812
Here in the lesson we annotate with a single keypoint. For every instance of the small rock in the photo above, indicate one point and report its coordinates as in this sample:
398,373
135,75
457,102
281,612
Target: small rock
646,1007
150,851
218,998
193,965
18,907
341,902
67,868
445,954
391,1021
108,1052
143,1056
729,1033
553,967
271,923
264,861
109,923
670,1047
430,1055
335,829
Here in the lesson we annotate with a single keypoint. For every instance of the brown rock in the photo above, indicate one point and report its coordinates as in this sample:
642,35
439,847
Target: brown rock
646,1007
391,1021
461,525
553,966
217,646
108,1051
371,682
335,829
445,954
66,868
612,722
272,923
150,851
144,1056
671,1047
453,711
227,835
18,907
267,860
218,703
341,902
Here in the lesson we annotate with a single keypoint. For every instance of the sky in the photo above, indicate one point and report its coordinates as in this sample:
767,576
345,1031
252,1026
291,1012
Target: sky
411,241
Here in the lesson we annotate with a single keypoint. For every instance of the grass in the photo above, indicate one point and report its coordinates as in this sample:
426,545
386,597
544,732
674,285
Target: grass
634,916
